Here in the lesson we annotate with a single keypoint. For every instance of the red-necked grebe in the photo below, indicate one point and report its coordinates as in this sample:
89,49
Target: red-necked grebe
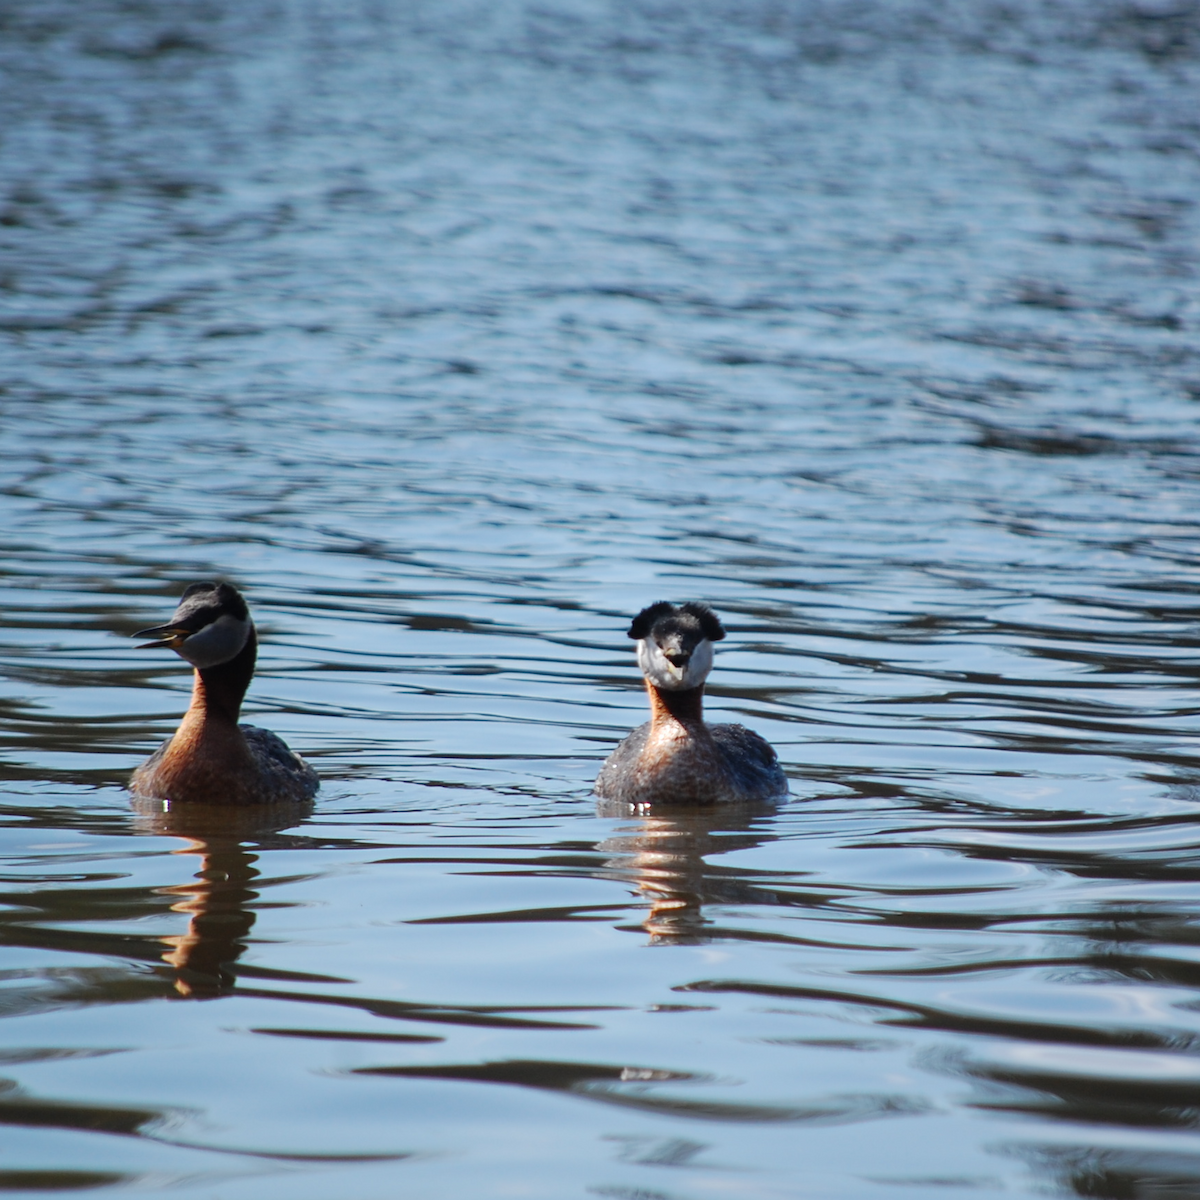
675,757
212,759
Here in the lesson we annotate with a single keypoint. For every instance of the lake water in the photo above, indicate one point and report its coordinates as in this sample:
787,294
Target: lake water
454,333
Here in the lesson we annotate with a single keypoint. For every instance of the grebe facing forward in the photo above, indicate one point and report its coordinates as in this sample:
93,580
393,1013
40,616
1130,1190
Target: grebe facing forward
675,757
212,759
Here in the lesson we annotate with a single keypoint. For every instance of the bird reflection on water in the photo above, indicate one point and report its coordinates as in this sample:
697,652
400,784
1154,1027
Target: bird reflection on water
220,900
664,854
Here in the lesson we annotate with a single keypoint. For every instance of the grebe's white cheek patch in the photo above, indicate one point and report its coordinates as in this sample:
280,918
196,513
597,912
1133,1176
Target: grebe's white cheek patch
216,643
699,665
655,666
665,676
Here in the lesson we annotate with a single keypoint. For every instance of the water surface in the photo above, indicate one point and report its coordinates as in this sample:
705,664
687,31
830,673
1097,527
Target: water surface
454,334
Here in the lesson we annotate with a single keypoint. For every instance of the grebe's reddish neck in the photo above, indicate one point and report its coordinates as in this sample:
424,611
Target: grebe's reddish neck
218,692
684,707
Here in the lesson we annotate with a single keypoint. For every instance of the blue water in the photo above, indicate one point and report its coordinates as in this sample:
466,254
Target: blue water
456,333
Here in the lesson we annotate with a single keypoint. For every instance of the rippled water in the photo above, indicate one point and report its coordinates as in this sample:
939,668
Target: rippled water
454,334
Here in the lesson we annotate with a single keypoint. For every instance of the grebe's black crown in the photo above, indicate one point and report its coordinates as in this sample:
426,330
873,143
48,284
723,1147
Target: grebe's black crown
693,614
205,602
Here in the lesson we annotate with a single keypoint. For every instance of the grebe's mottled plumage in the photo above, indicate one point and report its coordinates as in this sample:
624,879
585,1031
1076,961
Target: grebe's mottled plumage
212,759
675,758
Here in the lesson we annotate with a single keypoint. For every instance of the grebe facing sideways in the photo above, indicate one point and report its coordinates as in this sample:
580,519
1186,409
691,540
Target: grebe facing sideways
212,759
675,757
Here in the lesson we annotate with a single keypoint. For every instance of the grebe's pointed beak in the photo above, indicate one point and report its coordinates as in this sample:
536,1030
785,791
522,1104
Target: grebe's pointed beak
677,662
166,637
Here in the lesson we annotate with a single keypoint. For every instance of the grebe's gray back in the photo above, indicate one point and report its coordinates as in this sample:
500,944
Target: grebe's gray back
675,758
212,759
